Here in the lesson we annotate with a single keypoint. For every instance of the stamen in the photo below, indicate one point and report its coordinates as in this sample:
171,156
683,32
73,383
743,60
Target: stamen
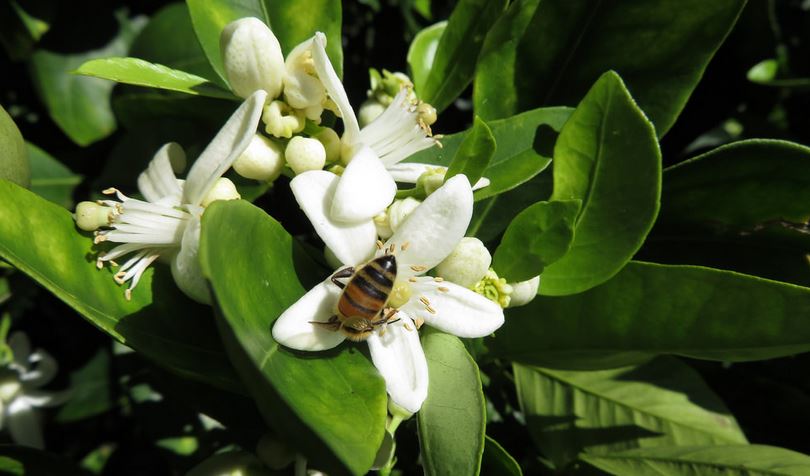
391,248
407,327
443,289
424,300
438,279
419,322
418,268
109,191
430,310
412,279
128,294
405,245
380,245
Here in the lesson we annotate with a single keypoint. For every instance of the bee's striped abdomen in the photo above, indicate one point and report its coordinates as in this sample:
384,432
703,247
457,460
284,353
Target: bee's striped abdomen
367,292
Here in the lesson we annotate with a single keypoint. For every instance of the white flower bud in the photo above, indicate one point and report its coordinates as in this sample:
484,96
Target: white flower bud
431,179
302,87
252,58
305,154
262,160
467,264
90,216
399,211
524,292
331,142
223,189
281,120
383,225
369,110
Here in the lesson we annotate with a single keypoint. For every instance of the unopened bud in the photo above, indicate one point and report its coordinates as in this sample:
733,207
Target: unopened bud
252,58
431,179
305,154
223,189
400,210
281,120
524,292
467,263
90,216
331,143
262,160
369,110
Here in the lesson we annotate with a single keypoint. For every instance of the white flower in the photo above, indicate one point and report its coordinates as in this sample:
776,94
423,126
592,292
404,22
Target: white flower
19,391
467,264
167,223
252,58
429,234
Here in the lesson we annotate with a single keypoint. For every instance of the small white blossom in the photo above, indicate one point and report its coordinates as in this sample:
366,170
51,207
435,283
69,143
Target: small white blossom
524,292
280,120
167,222
467,264
304,154
252,58
263,160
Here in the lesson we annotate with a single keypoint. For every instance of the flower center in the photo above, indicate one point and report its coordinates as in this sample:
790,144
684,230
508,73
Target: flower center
494,288
400,294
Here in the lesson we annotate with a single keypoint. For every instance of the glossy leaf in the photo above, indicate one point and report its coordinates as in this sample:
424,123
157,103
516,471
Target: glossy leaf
453,65
332,405
497,461
90,393
50,179
143,73
607,156
549,52
650,309
524,148
661,403
80,106
40,239
737,460
14,165
422,51
452,421
474,153
540,235
292,21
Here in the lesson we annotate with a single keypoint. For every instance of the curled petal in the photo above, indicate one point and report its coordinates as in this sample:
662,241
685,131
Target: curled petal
411,171
434,229
399,358
294,328
227,146
453,309
334,87
158,180
364,190
24,424
186,269
44,372
352,243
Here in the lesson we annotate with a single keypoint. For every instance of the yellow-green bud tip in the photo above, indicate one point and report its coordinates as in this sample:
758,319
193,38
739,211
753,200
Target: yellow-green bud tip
223,189
91,216
494,288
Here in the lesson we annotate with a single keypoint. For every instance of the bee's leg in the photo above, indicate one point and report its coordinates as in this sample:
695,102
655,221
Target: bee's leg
333,324
388,315
343,273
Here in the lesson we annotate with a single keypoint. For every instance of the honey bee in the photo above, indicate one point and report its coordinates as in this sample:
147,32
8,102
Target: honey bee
361,308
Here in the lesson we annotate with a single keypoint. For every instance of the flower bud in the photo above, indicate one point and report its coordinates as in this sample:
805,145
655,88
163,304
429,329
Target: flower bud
494,288
387,85
399,211
302,87
281,120
262,160
274,452
431,179
305,154
331,143
467,264
223,189
383,226
90,216
252,58
524,291
370,110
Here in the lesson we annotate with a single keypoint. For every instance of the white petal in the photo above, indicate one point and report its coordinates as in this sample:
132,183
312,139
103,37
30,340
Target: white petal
227,146
293,328
456,309
411,171
399,358
158,180
186,269
352,243
24,425
45,370
37,398
334,87
434,229
524,292
364,190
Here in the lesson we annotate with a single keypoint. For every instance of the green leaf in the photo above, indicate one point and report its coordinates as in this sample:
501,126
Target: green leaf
50,179
331,405
549,52
661,403
525,144
474,153
422,51
540,235
292,21
608,157
740,185
143,73
453,64
766,73
169,39
736,460
14,165
452,421
40,239
89,390
650,309
80,106
497,461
